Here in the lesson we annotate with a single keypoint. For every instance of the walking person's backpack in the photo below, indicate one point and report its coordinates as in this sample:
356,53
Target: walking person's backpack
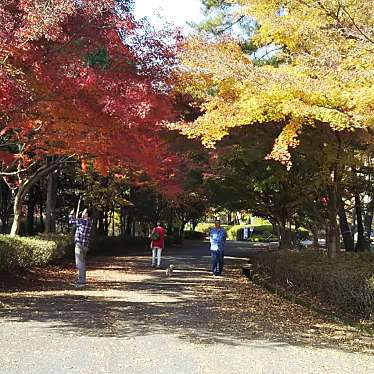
155,236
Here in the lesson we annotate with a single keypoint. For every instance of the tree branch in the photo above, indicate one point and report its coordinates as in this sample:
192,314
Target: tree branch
40,173
10,173
356,26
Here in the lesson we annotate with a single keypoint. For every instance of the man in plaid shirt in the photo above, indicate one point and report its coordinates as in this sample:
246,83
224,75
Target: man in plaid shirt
81,240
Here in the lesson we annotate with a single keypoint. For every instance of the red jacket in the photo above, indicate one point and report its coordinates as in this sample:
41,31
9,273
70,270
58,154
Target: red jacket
159,242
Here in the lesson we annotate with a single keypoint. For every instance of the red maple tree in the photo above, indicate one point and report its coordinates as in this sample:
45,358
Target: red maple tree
82,80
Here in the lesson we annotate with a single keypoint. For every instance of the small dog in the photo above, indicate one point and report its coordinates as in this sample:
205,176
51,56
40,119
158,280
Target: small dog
169,270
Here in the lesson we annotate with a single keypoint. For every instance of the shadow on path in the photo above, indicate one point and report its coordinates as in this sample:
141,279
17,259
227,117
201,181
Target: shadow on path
126,298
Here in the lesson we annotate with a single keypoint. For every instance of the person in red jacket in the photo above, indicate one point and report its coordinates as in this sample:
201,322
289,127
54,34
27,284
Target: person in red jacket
157,236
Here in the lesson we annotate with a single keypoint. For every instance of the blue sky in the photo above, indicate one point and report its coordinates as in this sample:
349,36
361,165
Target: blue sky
178,12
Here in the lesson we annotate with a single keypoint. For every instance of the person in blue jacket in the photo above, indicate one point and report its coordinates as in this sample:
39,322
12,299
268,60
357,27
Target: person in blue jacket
218,237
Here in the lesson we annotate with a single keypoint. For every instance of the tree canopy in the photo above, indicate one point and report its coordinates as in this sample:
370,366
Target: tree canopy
323,76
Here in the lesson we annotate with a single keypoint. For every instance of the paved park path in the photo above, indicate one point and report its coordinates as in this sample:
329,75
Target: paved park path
132,319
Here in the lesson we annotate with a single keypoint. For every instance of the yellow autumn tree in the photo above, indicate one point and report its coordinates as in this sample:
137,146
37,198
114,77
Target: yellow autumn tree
324,75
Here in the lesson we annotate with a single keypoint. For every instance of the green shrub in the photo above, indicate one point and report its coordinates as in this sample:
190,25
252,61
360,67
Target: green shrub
264,236
204,227
27,252
346,282
235,232
259,233
258,221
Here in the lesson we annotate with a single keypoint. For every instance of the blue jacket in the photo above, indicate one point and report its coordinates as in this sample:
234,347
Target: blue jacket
217,239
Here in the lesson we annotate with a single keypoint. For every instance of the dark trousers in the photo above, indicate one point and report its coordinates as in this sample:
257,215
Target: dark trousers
217,262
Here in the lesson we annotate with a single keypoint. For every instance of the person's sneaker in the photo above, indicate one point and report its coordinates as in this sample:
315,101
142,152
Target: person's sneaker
79,285
153,265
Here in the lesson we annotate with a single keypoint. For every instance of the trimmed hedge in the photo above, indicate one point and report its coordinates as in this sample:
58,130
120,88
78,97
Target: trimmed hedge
261,233
26,252
204,227
346,283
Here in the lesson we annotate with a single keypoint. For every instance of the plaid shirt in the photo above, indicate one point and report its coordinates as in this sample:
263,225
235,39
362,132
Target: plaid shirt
82,231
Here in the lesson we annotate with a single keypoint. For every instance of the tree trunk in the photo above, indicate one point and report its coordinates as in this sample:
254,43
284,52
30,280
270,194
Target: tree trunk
23,189
181,232
106,223
315,237
195,222
101,228
5,209
113,223
123,222
344,227
238,217
368,219
229,219
16,214
41,206
50,215
133,229
95,216
30,218
333,245
170,222
333,234
361,244
31,202
129,223
285,240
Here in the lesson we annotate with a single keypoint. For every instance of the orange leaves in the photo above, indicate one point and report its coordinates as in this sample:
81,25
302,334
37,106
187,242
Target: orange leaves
287,139
102,165
92,90
84,166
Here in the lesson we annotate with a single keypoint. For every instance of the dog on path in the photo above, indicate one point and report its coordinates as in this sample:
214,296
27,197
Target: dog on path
169,270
